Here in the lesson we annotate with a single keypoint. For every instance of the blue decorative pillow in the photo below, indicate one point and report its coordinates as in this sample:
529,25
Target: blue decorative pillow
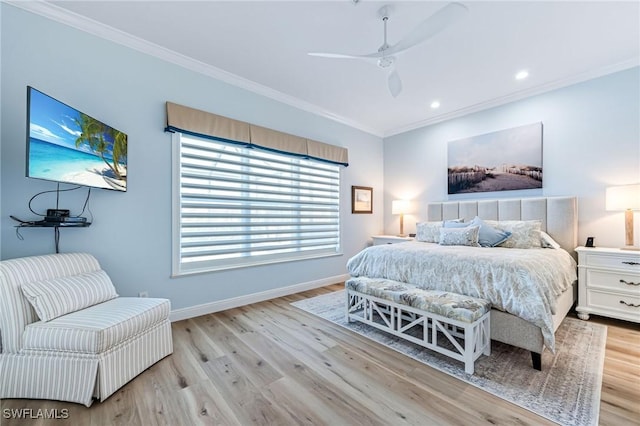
455,223
547,242
489,236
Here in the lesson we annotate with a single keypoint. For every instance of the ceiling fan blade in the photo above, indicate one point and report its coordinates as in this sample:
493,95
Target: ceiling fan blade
395,84
430,27
345,56
334,55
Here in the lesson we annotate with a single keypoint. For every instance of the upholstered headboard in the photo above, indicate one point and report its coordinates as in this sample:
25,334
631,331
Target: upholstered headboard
559,215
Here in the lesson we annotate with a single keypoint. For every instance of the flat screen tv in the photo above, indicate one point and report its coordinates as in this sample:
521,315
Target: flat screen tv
68,146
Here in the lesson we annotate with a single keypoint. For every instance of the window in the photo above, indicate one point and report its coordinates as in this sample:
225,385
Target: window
238,206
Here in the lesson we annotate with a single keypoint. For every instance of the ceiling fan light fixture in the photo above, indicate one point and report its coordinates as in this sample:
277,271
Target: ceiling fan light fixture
386,61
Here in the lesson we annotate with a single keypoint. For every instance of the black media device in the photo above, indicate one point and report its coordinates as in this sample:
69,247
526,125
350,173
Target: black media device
57,213
589,242
65,219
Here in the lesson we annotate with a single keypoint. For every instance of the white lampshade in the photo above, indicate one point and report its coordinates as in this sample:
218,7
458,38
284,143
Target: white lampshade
399,207
625,197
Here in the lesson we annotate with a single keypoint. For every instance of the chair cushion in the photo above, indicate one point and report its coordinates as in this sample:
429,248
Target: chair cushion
59,296
15,310
97,328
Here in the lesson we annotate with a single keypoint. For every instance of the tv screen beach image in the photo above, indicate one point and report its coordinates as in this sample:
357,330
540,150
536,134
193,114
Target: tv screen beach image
66,145
505,160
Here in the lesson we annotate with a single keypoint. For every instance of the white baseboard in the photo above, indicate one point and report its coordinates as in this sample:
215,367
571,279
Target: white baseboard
221,305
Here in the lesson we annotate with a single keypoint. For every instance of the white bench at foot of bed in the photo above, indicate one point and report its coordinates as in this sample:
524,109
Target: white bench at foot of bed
451,324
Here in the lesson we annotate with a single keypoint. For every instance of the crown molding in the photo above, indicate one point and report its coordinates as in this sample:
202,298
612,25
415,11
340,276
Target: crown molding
537,90
82,23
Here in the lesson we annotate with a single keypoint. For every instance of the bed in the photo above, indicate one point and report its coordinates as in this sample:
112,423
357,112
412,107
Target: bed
531,289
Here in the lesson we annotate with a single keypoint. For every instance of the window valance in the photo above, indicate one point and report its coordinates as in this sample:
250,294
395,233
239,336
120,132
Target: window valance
204,124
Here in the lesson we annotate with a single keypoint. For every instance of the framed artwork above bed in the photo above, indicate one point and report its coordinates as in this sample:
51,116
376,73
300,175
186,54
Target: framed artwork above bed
505,160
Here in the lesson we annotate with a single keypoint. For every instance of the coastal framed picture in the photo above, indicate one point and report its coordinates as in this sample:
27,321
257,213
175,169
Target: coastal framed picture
361,199
505,160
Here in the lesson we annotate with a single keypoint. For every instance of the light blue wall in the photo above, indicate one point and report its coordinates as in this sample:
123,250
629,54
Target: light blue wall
591,140
131,233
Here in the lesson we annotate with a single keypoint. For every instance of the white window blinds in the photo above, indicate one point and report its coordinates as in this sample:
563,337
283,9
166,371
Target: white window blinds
238,206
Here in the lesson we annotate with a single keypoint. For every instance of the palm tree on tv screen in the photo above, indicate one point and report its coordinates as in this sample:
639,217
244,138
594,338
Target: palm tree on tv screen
93,133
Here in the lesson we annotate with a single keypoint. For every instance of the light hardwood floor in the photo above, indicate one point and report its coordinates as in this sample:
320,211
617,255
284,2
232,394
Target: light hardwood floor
271,364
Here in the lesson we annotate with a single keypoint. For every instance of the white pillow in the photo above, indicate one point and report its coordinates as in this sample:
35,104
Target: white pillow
60,296
459,236
547,242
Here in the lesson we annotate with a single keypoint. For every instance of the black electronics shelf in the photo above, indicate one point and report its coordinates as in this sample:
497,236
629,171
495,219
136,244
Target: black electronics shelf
43,224
56,224
51,223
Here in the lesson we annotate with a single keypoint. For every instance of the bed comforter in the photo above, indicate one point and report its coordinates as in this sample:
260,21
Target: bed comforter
522,282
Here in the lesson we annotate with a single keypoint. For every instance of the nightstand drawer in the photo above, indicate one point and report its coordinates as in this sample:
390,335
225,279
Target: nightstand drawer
618,281
622,304
627,263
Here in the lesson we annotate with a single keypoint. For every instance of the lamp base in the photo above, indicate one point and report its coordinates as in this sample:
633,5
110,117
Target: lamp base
632,248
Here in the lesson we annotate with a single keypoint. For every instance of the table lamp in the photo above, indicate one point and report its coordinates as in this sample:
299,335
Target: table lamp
625,198
400,207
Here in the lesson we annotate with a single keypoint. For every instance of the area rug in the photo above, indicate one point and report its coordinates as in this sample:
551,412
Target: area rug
567,391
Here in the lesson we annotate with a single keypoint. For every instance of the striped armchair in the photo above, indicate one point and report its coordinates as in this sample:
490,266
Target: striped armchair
66,335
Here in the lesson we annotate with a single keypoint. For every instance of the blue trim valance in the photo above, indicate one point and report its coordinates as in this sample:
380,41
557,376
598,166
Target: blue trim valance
203,124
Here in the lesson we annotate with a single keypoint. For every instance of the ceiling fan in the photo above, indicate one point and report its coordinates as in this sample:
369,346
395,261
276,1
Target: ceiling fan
385,56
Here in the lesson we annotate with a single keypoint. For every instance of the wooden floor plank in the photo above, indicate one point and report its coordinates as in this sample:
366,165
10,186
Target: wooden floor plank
243,397
203,404
313,370
271,363
243,357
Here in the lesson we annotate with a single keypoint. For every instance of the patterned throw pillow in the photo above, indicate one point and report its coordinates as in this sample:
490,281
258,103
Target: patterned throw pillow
459,236
524,233
428,232
56,297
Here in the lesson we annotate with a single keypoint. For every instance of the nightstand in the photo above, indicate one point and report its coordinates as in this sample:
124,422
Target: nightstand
608,283
389,239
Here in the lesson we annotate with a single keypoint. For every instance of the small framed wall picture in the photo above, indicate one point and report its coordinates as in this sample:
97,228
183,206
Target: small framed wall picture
361,199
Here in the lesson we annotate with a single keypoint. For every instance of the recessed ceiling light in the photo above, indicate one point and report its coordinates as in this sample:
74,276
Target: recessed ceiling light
522,75
435,104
